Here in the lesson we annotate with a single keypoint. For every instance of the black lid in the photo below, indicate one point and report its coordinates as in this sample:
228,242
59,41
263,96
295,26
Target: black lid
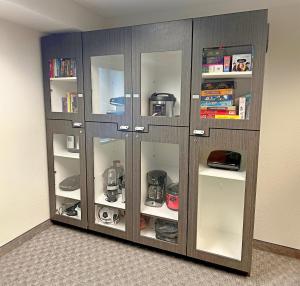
173,189
162,96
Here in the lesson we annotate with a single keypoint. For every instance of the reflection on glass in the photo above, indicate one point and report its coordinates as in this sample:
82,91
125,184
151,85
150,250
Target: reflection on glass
221,191
110,182
107,79
66,150
161,83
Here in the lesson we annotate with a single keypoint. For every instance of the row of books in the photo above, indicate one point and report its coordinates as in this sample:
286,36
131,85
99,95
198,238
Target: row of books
217,101
70,102
62,68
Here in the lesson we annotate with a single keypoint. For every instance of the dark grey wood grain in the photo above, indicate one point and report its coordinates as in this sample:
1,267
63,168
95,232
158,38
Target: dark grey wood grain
238,29
65,127
162,134
65,45
244,142
109,130
160,37
104,43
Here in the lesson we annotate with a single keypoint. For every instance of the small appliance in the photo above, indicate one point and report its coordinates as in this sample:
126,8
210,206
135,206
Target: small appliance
156,184
118,105
172,196
162,104
166,230
224,159
112,185
73,210
73,144
108,215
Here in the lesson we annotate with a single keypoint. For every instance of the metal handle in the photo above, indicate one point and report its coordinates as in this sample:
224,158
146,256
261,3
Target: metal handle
124,127
198,132
77,124
139,128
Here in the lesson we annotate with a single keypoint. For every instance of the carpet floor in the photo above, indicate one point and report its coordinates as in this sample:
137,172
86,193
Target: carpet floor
64,256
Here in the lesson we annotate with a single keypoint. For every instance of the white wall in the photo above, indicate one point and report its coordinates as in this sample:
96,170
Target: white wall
23,169
278,190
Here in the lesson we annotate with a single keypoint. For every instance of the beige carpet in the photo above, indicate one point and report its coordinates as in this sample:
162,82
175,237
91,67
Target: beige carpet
63,256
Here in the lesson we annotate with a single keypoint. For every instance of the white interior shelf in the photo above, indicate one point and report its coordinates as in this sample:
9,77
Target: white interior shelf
148,232
68,194
119,226
73,79
163,212
246,74
66,154
226,174
220,242
78,217
101,200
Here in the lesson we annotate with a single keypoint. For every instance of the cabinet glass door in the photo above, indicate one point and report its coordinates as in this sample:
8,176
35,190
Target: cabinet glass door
63,84
161,73
109,178
160,188
107,69
221,199
227,71
66,172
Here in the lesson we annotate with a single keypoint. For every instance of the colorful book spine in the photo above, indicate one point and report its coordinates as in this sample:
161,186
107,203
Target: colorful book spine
62,68
225,91
217,103
213,108
242,107
227,117
216,98
218,112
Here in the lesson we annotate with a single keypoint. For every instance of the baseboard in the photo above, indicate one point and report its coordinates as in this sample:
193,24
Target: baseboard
24,237
276,248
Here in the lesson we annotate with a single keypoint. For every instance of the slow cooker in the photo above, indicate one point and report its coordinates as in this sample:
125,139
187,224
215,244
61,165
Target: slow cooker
162,104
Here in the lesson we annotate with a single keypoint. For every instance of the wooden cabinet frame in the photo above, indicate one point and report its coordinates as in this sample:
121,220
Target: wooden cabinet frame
109,130
65,45
235,140
65,127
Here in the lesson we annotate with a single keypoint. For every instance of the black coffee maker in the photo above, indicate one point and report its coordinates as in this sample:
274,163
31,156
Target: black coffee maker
156,185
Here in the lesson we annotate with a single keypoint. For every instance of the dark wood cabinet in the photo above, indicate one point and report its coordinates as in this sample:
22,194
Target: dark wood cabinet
67,173
131,124
106,146
63,76
164,149
107,76
161,63
231,34
222,202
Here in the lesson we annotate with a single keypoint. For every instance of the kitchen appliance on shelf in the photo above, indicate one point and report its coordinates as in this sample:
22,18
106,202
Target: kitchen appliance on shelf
117,105
156,184
224,159
162,104
73,144
172,196
108,215
166,230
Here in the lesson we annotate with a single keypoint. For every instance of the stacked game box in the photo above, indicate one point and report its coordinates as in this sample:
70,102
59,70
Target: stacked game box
217,100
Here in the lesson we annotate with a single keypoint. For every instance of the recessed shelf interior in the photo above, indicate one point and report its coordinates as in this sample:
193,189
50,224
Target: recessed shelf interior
107,80
60,146
159,156
220,211
63,203
105,152
120,225
59,88
160,73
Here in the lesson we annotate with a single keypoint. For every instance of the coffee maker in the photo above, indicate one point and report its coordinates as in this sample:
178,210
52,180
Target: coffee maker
156,184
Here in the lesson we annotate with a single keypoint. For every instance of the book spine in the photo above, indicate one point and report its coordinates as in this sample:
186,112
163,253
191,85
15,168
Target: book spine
218,108
74,103
242,107
226,66
64,104
216,98
227,117
225,91
217,103
218,112
69,102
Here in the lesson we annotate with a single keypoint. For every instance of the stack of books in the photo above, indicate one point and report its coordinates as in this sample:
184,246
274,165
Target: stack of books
69,102
217,100
62,68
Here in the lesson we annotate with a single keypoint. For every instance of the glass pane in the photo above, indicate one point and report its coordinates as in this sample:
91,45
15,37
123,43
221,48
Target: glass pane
67,175
63,85
221,192
110,182
159,190
226,86
161,83
107,79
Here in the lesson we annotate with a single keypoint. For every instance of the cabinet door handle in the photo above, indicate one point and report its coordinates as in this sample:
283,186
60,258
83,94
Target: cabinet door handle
139,128
136,95
77,124
198,132
124,127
